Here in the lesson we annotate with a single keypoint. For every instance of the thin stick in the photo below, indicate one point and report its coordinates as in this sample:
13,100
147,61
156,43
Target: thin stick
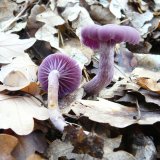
17,17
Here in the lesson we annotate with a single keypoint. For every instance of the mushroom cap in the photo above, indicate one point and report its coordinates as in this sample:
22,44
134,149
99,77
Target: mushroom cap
69,73
93,35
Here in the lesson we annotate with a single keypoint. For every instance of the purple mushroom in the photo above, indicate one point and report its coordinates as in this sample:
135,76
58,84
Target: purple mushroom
60,75
104,39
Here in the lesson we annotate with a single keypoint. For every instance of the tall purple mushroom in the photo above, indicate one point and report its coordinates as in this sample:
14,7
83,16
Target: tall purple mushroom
104,39
60,75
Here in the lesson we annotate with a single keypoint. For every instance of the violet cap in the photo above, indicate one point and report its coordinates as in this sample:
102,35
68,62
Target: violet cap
69,70
93,35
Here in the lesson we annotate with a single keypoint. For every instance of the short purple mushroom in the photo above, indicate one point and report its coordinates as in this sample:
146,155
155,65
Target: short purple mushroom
104,39
60,75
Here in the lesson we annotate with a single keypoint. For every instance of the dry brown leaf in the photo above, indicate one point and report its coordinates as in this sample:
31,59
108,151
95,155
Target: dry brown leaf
17,113
7,145
11,46
29,144
149,84
32,88
35,157
117,115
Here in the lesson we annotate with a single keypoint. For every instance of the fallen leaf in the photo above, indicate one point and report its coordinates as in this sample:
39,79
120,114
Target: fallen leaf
149,84
32,23
148,61
150,97
63,3
35,157
7,145
28,145
6,10
12,46
83,143
47,33
50,18
21,70
142,72
140,21
117,115
102,14
32,88
122,155
117,6
79,17
17,113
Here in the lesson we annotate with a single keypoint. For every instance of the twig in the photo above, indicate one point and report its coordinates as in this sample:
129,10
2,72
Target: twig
17,17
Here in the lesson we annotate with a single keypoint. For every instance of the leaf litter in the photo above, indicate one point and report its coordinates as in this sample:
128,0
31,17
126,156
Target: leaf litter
132,98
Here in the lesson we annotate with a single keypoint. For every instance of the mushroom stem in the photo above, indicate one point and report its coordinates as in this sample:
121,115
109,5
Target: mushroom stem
105,71
54,111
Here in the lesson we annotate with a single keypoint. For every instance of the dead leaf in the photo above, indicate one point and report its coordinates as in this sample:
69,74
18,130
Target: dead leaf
117,6
32,88
140,21
102,14
117,115
28,145
35,157
21,70
150,97
90,144
47,33
149,84
6,10
17,113
50,18
148,61
79,17
63,3
7,145
122,155
12,46
142,72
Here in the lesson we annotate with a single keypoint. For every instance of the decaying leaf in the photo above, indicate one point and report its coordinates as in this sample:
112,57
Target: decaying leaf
84,144
21,73
50,18
17,113
102,14
7,145
78,16
35,157
46,33
117,6
117,115
11,46
149,84
140,21
6,10
28,145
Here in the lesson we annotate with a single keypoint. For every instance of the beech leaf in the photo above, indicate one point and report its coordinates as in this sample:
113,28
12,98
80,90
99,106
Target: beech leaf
7,145
17,113
11,46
